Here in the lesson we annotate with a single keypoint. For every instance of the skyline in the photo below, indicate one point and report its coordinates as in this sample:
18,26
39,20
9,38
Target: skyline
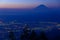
28,3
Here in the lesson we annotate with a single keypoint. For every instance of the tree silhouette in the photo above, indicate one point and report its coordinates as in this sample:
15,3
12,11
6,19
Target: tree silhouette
25,34
33,35
42,36
11,36
57,37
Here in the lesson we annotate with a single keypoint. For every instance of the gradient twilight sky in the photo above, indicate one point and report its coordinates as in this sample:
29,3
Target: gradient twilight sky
28,3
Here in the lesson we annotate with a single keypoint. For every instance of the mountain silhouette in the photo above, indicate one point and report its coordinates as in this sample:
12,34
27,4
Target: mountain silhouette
42,8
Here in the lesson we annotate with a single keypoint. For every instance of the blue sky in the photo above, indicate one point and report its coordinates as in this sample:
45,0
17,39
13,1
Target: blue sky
27,3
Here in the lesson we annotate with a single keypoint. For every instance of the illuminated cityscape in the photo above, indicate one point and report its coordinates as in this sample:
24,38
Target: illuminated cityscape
17,28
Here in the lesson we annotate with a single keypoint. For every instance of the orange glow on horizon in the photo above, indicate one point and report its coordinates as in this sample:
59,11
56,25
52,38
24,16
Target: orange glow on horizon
26,5
16,6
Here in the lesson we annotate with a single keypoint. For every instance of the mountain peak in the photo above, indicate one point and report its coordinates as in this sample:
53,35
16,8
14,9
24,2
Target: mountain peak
41,7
